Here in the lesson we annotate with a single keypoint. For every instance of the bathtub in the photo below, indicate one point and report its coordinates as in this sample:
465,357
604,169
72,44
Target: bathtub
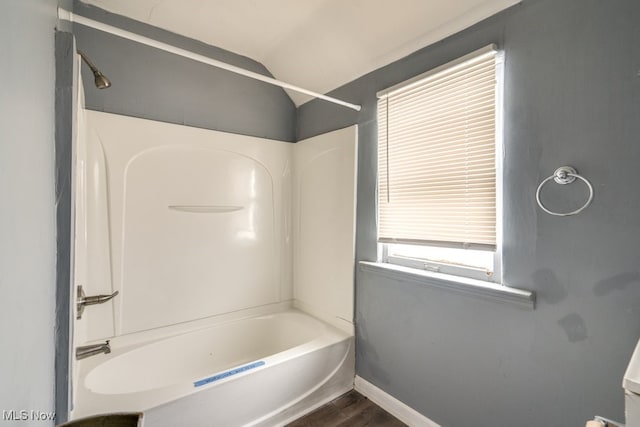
260,371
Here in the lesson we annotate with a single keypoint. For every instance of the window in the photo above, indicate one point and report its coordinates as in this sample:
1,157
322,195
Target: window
438,160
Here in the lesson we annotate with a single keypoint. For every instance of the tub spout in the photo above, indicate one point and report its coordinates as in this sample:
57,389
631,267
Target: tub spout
91,350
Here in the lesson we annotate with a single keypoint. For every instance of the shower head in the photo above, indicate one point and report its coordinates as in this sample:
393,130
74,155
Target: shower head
100,80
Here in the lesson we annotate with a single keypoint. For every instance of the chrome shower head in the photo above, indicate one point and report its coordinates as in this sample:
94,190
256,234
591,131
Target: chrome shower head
101,81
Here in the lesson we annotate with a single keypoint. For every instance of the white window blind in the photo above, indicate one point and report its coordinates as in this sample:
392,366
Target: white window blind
436,156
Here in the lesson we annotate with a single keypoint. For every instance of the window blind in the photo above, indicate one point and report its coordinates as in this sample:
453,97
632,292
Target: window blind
436,157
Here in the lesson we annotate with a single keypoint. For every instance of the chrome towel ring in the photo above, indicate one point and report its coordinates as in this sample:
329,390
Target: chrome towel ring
564,175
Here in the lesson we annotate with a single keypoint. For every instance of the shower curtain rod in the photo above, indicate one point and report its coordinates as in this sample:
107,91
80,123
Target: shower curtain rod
65,15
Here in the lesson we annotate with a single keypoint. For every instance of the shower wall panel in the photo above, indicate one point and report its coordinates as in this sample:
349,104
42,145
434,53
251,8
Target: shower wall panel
194,222
324,212
187,223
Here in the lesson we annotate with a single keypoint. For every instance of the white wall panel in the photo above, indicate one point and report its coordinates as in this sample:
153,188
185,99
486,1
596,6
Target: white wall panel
188,223
196,222
324,225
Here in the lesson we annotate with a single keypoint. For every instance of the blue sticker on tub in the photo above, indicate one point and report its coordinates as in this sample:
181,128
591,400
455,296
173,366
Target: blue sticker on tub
227,374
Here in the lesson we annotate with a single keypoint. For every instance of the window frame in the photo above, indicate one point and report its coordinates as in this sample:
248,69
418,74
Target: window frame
456,270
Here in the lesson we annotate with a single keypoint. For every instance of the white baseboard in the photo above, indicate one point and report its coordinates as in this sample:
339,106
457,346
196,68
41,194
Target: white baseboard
392,405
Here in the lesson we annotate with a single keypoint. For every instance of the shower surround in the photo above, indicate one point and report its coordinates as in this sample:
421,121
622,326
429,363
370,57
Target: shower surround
220,246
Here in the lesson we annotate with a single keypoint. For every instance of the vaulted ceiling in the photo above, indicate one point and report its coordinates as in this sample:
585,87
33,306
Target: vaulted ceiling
317,44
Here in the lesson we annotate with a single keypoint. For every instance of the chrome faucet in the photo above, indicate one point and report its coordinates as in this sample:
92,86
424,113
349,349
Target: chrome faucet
91,350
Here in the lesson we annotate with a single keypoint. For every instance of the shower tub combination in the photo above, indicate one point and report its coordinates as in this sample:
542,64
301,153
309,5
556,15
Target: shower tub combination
214,320
264,370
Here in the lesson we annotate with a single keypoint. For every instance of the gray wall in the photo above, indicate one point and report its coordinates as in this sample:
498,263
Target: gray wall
572,96
66,96
153,84
27,215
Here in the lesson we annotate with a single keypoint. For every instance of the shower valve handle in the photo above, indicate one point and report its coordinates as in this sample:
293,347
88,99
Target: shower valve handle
84,300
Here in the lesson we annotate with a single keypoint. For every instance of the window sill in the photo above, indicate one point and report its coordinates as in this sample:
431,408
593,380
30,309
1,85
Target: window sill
448,282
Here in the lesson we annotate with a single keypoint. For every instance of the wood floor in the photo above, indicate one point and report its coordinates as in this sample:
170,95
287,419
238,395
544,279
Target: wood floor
349,410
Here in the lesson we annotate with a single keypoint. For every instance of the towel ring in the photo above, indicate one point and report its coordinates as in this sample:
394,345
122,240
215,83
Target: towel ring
564,175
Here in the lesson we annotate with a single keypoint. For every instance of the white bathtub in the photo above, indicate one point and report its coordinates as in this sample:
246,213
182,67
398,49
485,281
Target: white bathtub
263,370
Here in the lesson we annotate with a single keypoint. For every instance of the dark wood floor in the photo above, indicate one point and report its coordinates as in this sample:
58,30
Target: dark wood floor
349,410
